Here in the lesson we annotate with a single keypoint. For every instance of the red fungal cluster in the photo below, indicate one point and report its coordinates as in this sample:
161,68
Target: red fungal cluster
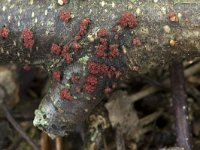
55,49
113,50
65,49
116,37
90,84
4,32
57,75
107,90
173,17
127,20
102,69
65,94
101,48
76,46
27,67
66,54
84,23
102,32
27,37
95,69
74,77
68,57
136,42
78,89
65,16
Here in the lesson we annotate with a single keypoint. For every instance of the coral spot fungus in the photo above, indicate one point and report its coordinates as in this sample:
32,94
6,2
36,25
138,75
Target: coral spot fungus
4,32
76,46
65,16
101,48
136,42
65,94
55,49
91,82
27,37
68,57
113,50
57,75
102,69
84,23
127,19
173,17
78,89
74,77
102,32
116,37
27,67
65,48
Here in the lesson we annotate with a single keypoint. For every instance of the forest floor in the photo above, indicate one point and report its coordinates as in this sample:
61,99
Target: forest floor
138,115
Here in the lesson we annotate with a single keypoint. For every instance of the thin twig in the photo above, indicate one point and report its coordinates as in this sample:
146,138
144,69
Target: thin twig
45,142
120,139
15,143
150,90
18,128
59,143
180,105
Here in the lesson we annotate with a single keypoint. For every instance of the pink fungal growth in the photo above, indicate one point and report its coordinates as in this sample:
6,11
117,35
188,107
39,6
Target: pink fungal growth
103,69
127,19
68,57
27,36
113,50
27,67
57,75
65,94
102,32
101,48
4,32
84,23
116,37
74,77
93,67
65,53
55,49
91,82
136,42
76,46
78,89
65,49
107,90
65,16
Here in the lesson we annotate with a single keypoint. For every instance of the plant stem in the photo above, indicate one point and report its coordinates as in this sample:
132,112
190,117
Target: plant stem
180,105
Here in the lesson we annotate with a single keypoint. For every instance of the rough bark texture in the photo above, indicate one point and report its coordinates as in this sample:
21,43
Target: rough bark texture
165,30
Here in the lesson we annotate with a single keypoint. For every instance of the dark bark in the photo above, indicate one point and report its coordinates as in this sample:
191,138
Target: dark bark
159,40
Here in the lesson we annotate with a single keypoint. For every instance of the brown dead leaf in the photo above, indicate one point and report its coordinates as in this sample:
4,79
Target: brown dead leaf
121,112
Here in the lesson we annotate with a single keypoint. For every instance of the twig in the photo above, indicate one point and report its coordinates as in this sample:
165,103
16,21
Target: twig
150,90
18,128
59,143
120,139
180,105
45,141
15,143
